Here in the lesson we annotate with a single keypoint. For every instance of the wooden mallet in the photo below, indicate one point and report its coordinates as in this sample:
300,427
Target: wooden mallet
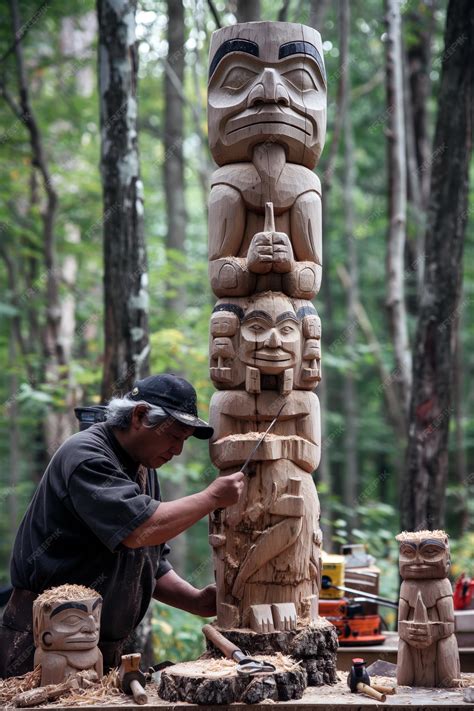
359,681
132,679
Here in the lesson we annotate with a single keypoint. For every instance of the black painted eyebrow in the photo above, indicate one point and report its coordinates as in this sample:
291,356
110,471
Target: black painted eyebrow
432,542
258,314
69,606
306,311
286,315
290,48
409,543
233,45
97,602
233,308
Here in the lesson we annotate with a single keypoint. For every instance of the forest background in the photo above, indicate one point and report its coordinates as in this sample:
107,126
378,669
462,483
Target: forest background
385,63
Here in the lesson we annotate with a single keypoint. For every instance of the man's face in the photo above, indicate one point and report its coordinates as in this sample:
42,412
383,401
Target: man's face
73,626
270,335
266,85
428,558
159,444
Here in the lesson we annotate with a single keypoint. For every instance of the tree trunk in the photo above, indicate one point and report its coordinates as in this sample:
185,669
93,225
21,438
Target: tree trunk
248,10
176,213
419,22
317,13
351,474
14,437
423,491
125,264
395,298
460,459
56,361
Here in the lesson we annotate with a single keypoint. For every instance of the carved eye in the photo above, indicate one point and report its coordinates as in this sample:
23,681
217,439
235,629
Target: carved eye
287,330
256,328
407,551
237,78
430,551
301,80
73,620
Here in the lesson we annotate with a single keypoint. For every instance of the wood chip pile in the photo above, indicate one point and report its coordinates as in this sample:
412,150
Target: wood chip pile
217,668
14,685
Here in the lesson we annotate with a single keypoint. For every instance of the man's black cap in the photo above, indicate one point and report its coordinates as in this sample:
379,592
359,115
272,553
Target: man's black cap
176,397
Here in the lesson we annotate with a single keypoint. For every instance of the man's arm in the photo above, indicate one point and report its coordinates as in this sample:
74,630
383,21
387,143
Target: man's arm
174,591
173,517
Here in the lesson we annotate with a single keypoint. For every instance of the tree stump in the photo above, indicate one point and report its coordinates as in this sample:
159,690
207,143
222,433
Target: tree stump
210,682
314,646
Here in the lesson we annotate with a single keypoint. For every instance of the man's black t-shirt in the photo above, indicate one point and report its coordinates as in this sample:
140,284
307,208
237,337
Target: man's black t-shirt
88,501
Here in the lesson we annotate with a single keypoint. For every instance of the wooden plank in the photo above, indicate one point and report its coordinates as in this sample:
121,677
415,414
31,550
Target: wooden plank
330,698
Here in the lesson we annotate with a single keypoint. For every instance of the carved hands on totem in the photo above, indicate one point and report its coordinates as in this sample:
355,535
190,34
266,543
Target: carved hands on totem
270,250
267,122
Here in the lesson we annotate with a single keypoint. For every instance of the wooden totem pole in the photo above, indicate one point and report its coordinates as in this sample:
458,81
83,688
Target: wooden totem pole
267,123
427,651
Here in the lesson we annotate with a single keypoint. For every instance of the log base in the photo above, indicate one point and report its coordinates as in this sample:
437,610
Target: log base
315,647
215,682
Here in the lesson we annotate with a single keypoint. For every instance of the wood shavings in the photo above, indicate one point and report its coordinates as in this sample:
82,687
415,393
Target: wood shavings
14,685
420,535
246,437
216,668
64,593
104,691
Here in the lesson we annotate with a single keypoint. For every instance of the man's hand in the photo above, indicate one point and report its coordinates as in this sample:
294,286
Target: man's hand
206,602
174,591
227,489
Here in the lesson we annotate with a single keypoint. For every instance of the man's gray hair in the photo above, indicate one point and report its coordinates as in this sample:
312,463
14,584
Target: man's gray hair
120,410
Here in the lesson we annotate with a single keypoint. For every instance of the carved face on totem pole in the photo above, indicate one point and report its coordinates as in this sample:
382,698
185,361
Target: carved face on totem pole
424,555
267,83
66,625
270,334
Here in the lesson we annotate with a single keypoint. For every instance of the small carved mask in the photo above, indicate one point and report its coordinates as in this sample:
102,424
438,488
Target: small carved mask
427,558
67,625
267,83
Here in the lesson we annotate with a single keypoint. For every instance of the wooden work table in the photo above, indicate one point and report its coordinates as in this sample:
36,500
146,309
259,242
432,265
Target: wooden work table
330,698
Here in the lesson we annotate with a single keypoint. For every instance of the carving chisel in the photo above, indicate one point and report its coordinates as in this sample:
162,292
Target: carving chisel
259,442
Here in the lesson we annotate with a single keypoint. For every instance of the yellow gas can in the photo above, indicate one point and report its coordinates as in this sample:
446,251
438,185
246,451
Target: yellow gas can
333,568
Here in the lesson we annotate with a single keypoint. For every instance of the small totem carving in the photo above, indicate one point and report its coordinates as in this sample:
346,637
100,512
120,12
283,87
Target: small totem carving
66,626
428,652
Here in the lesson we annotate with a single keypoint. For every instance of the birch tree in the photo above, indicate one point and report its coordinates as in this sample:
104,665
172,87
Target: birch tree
397,207
125,262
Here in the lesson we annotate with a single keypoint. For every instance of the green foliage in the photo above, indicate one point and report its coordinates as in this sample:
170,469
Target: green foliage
462,560
177,635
